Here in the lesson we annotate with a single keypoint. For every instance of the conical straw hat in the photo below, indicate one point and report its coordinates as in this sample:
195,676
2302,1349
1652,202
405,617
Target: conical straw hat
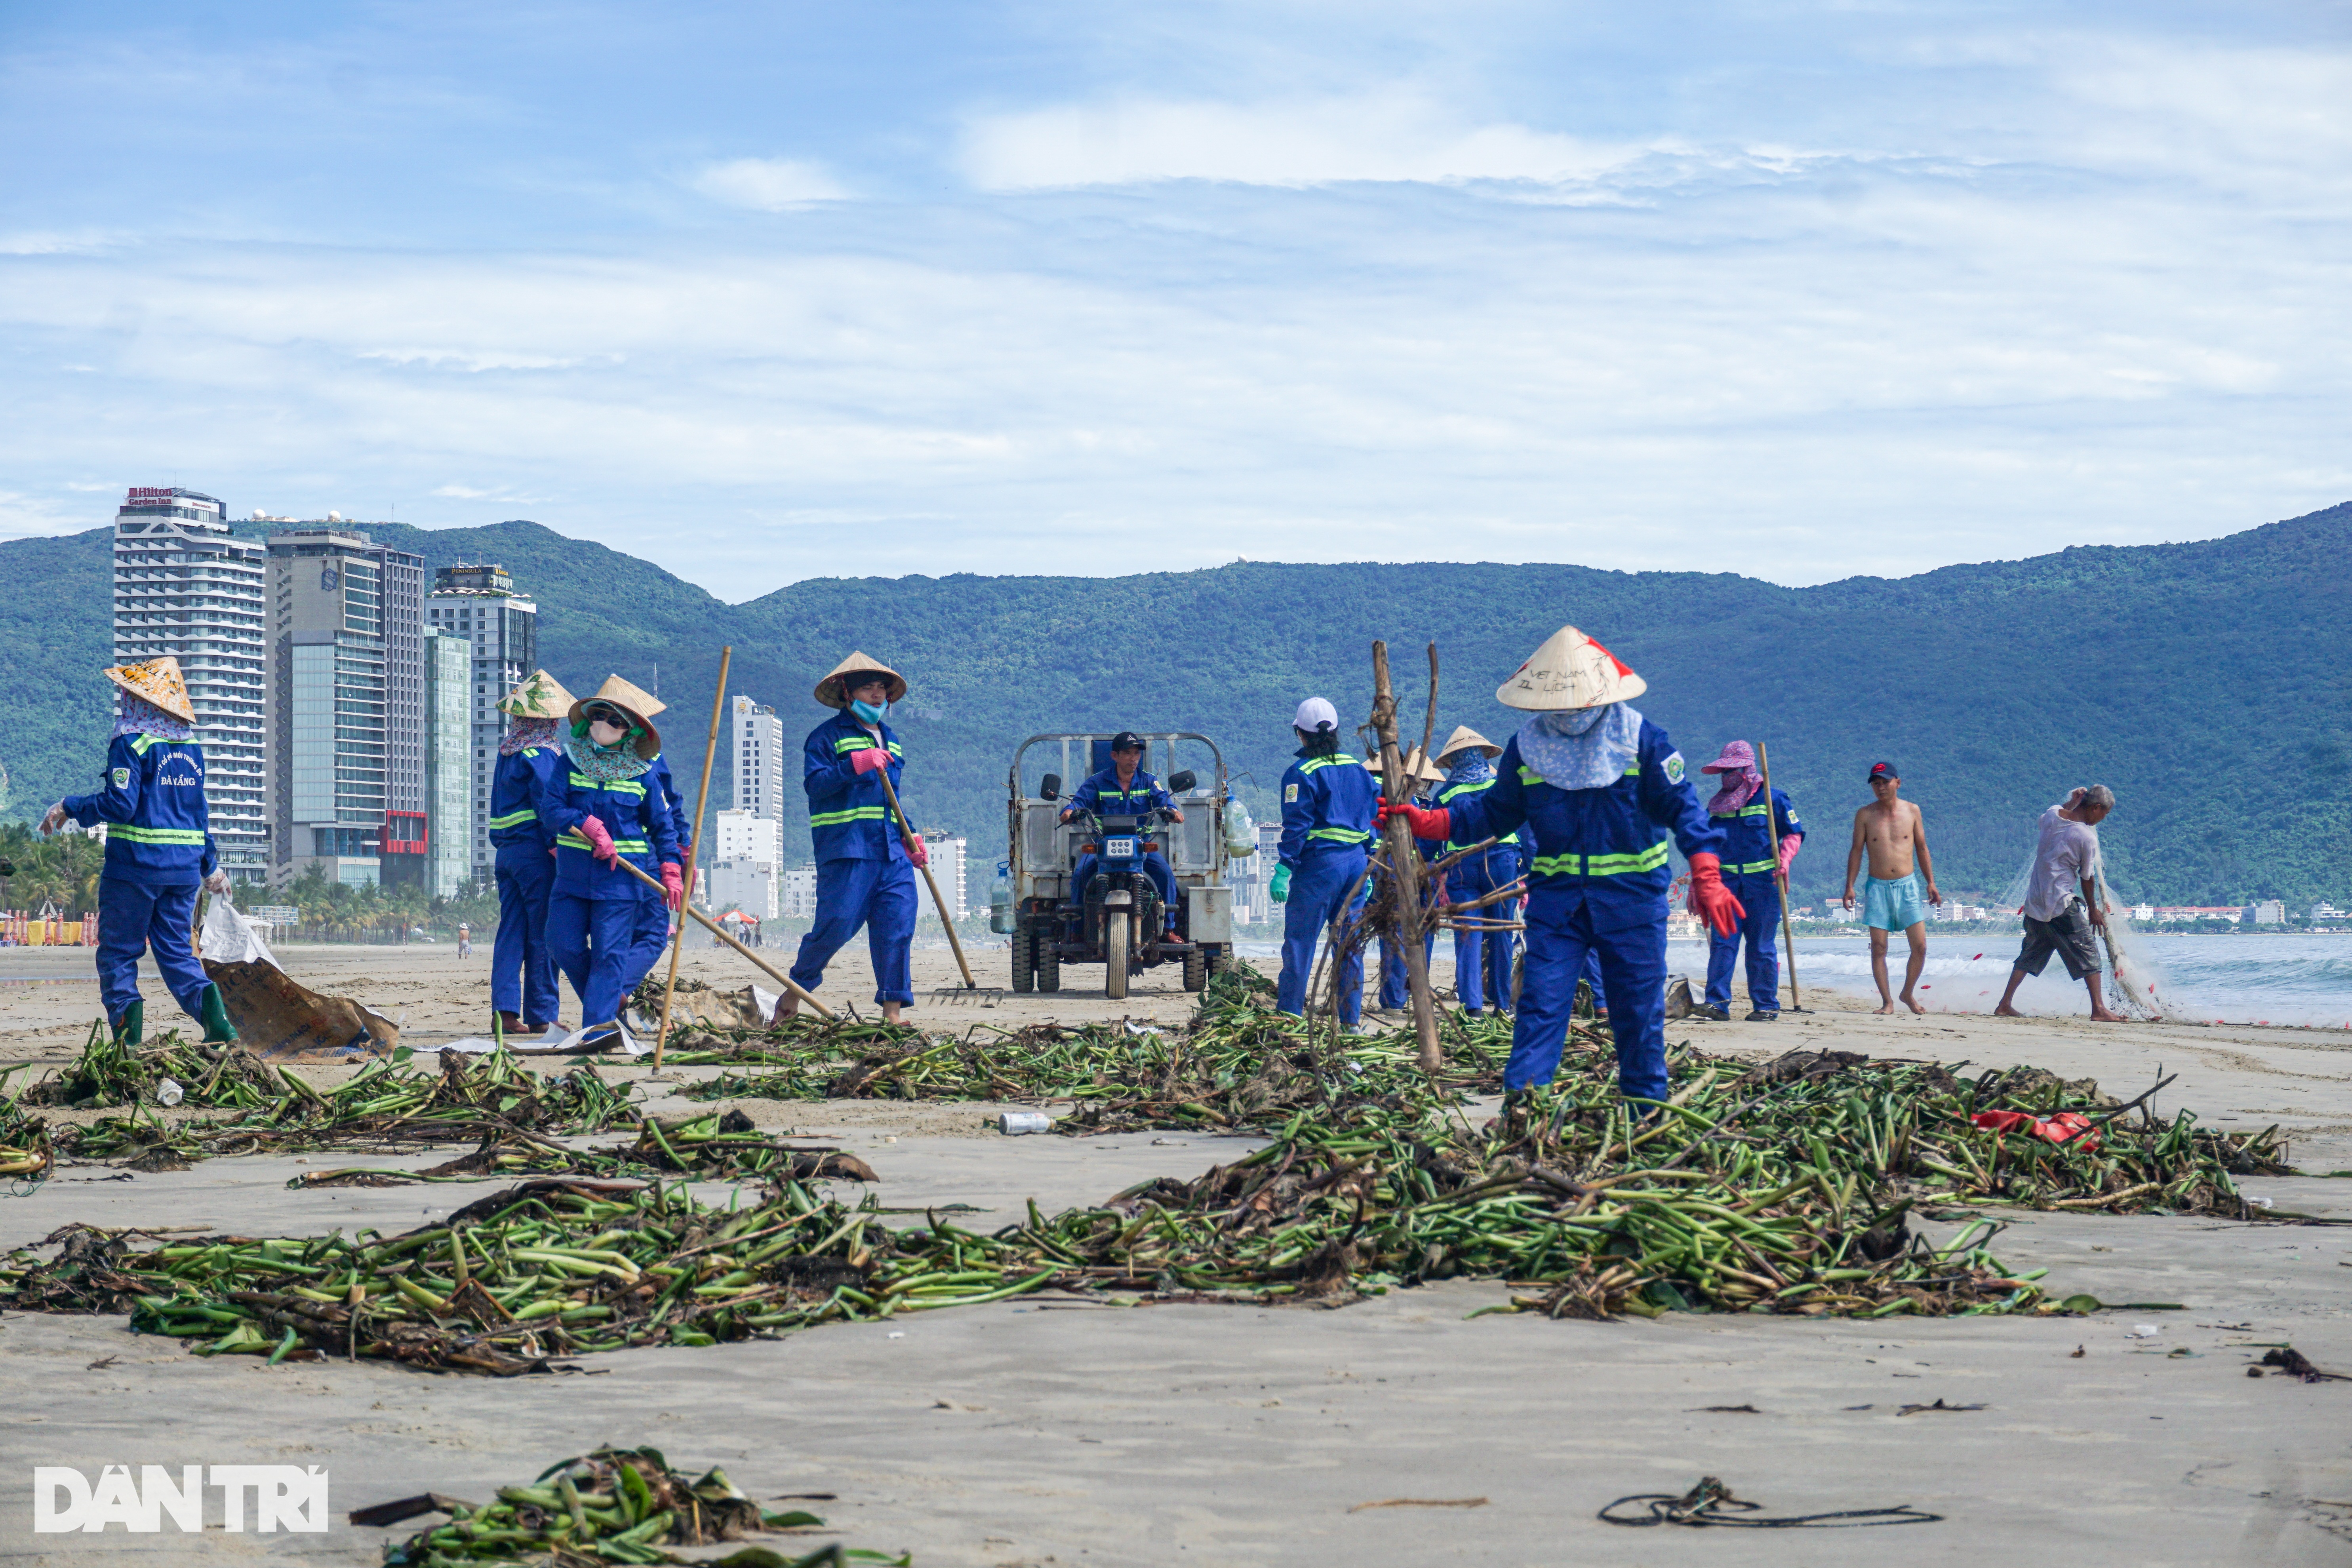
829,690
539,695
1415,764
158,681
1464,736
637,703
1569,671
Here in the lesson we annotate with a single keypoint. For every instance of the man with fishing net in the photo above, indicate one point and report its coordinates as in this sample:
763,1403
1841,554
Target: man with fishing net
159,850
1601,789
2062,912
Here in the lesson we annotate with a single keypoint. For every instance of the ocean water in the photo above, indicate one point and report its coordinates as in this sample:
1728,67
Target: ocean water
2257,978
2264,977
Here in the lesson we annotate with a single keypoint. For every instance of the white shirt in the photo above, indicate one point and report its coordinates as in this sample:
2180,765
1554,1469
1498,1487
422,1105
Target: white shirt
2066,856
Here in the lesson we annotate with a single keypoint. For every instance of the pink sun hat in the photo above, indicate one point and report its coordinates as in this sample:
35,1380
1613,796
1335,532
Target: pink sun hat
1739,757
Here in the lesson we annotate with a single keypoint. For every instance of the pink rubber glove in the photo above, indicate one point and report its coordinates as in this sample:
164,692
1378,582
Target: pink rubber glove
673,885
918,852
1426,823
866,761
600,842
1709,899
1789,842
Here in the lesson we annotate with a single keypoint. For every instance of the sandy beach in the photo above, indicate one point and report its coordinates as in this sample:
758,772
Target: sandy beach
1031,1433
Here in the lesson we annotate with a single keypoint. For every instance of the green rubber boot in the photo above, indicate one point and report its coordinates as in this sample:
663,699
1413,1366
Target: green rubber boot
130,1029
218,1031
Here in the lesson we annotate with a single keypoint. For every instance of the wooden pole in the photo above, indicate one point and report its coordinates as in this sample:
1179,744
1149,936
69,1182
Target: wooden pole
716,930
1397,780
938,901
701,802
1787,932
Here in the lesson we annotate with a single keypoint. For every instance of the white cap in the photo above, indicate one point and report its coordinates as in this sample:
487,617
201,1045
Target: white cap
1316,713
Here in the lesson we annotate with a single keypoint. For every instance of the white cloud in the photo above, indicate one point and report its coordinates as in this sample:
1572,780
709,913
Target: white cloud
769,184
1394,134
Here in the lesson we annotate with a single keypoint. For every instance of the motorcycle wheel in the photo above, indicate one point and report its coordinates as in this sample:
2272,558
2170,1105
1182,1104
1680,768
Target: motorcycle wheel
1024,959
1115,932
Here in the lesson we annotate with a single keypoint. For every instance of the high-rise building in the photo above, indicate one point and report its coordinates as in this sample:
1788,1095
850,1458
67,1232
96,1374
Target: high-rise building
184,587
948,862
448,761
347,699
755,738
798,901
745,872
478,602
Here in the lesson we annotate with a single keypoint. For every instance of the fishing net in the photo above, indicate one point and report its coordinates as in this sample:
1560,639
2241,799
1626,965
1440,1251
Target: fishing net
2132,975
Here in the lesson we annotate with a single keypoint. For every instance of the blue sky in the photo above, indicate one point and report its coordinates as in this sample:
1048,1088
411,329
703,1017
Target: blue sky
771,292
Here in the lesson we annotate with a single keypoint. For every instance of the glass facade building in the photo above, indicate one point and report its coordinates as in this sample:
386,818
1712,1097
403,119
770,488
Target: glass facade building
184,587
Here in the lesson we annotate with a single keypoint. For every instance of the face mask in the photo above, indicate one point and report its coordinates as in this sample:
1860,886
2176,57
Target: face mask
868,712
605,733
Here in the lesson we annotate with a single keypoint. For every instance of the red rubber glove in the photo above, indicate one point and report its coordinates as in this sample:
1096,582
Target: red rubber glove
673,885
1709,899
916,850
600,841
868,761
1789,842
1426,823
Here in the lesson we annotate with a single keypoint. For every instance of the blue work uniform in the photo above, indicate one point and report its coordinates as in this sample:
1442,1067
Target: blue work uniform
1751,861
1103,795
1329,806
650,939
522,968
592,913
1482,959
159,850
1598,879
863,874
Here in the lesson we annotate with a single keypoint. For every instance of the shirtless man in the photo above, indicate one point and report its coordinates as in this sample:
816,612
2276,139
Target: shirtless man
1893,833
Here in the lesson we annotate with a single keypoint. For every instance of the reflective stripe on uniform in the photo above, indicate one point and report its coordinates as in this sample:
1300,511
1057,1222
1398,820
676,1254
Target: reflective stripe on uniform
1338,759
610,786
854,814
1445,796
513,819
139,835
863,743
626,846
1650,859
1339,835
139,744
1752,868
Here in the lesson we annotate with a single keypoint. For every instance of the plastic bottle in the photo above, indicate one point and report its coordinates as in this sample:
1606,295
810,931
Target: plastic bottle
999,900
1241,833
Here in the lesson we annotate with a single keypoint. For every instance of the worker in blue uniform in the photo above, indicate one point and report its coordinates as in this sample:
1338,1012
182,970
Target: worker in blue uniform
524,994
1328,804
651,938
158,851
1395,983
1761,835
1125,789
1482,959
866,857
602,811
1599,788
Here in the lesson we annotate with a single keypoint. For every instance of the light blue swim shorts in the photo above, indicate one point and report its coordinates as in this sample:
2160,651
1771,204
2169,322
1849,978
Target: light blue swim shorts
1894,904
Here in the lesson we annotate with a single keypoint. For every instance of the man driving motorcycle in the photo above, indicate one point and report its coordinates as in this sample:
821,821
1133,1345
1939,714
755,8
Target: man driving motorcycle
1125,789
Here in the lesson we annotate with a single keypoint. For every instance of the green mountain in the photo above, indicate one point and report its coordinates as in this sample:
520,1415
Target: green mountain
2206,683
